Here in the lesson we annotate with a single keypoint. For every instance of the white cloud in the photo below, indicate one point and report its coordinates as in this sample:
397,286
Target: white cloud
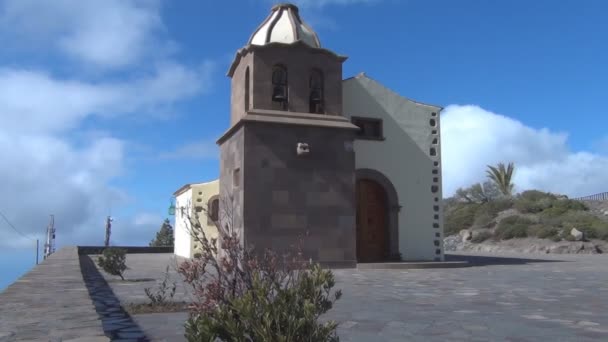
473,138
103,33
34,101
43,175
601,145
50,166
193,150
147,219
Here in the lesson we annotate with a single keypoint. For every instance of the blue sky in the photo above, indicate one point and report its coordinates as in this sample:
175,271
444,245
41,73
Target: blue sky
112,105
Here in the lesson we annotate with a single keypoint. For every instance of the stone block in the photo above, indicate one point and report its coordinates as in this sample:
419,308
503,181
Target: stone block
280,197
347,223
331,254
325,198
288,221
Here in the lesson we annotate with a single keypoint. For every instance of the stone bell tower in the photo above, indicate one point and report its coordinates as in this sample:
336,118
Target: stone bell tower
287,161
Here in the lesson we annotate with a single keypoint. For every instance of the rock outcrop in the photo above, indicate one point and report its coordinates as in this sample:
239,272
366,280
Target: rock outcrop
576,234
527,245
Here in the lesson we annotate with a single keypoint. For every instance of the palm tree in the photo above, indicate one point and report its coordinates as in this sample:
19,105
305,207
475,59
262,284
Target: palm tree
502,176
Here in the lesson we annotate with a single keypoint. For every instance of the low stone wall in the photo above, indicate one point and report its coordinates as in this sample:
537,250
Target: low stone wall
50,303
89,250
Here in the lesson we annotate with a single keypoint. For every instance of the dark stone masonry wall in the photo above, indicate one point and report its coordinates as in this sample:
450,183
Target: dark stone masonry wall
231,180
287,195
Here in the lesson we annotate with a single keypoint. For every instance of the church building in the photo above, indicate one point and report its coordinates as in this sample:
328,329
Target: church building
349,163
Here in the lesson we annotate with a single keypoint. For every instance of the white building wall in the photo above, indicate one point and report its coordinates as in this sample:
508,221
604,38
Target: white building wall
404,158
182,235
186,203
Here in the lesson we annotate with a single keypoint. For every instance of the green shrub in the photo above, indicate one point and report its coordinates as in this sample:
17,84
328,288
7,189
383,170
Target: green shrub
496,206
269,312
556,238
164,292
488,211
244,294
578,219
482,236
483,219
544,232
113,261
553,212
536,195
512,227
534,201
595,230
568,237
528,206
568,204
462,216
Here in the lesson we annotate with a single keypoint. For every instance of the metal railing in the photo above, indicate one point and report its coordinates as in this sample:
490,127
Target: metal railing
602,196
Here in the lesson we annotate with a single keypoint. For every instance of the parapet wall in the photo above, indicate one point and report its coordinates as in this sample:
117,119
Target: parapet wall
55,302
50,303
88,250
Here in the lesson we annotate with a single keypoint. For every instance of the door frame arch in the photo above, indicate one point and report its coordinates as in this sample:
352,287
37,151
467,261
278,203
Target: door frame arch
393,208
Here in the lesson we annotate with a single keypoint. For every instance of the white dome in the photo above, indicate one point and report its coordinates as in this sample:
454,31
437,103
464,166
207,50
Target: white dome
284,25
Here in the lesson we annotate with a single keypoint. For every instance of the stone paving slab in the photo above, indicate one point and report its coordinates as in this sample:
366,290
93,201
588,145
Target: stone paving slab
499,298
50,303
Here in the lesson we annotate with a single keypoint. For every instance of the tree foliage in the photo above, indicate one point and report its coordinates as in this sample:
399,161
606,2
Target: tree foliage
502,176
164,237
478,193
113,261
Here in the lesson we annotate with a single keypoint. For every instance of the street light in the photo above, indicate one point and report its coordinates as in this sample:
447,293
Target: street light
171,208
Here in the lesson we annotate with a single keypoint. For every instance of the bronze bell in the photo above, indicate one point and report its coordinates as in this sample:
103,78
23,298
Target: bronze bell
278,94
315,97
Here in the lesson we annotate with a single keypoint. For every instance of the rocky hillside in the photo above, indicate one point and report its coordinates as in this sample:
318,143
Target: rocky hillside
530,222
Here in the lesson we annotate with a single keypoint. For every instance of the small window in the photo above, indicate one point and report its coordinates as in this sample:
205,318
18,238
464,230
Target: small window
369,128
315,100
247,88
279,87
236,178
214,209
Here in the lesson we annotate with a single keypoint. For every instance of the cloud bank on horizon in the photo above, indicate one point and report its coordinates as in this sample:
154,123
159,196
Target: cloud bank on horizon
116,51
52,173
473,137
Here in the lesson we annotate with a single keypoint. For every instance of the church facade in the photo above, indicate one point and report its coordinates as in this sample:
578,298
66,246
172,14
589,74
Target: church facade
349,165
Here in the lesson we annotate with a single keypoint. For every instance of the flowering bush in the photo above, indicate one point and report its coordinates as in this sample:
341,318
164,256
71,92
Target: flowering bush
244,295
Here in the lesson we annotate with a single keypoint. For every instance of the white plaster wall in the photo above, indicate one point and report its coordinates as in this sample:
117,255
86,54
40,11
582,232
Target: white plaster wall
182,236
403,157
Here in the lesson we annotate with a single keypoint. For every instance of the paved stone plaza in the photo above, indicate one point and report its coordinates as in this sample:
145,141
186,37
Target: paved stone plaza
507,298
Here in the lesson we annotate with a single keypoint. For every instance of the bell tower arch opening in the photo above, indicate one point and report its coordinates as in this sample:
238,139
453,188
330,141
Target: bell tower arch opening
315,100
279,87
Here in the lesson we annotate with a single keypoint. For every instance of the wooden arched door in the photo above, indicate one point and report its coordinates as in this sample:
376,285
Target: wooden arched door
372,229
